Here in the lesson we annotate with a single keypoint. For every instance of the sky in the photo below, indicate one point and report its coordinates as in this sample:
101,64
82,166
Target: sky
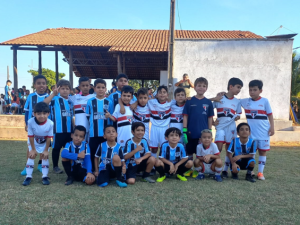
21,17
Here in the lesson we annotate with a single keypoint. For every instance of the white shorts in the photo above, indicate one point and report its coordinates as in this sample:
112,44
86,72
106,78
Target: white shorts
39,149
146,135
157,136
207,169
263,145
226,135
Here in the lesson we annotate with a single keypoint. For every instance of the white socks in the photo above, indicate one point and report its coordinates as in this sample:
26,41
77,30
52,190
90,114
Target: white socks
218,170
226,164
45,167
261,163
29,167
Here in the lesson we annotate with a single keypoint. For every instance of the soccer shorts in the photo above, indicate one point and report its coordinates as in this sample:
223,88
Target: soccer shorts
147,134
207,169
191,146
132,170
181,169
263,145
243,163
79,173
39,150
94,143
7,101
60,140
106,174
226,135
157,136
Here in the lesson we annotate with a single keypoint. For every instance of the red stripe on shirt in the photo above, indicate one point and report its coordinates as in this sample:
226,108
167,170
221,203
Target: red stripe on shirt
222,110
258,111
77,106
122,118
156,112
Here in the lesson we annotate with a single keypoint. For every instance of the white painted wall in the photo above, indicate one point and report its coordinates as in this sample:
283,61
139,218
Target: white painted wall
220,60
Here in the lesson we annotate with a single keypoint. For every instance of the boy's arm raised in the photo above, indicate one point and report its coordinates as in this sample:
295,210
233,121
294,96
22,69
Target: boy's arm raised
50,97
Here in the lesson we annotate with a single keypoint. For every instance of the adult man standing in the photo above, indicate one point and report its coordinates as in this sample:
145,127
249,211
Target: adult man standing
186,84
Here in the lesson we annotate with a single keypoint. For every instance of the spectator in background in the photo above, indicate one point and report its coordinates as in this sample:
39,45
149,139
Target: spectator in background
15,103
150,94
91,91
77,90
8,96
48,91
2,104
52,88
114,87
24,89
186,84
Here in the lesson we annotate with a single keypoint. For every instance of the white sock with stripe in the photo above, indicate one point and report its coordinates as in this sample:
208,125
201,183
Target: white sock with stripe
29,167
218,170
45,167
261,163
226,164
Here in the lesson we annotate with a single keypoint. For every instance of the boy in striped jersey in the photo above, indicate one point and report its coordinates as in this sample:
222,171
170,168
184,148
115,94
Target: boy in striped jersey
95,111
260,119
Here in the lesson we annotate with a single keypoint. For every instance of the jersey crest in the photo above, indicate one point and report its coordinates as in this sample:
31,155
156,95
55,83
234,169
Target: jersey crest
254,113
226,111
179,117
205,107
161,114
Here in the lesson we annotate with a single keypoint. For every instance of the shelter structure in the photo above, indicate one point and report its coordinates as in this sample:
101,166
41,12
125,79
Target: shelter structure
104,53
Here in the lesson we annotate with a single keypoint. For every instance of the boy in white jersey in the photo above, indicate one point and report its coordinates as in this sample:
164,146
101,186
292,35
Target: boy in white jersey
259,116
124,121
228,111
208,157
40,132
79,102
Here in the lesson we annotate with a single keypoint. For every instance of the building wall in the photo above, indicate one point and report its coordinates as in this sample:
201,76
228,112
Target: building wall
220,60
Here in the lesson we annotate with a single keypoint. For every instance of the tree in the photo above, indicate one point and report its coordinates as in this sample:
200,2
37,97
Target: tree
49,74
295,81
137,84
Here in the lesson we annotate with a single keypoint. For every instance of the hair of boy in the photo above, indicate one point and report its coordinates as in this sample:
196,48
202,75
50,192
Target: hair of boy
122,75
39,77
99,81
207,131
63,82
80,128
41,107
242,124
162,87
257,83
135,125
83,79
201,80
127,89
234,81
172,130
8,81
108,126
178,90
77,88
24,86
113,83
142,91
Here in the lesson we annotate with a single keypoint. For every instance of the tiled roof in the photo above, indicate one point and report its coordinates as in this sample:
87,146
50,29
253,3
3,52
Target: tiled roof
120,40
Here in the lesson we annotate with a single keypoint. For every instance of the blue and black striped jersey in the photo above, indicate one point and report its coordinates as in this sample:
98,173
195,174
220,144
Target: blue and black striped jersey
237,148
31,101
131,145
174,155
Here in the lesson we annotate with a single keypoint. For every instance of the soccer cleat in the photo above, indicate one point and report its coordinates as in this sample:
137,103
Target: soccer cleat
195,174
182,178
250,178
45,181
218,178
40,168
27,181
234,176
224,174
260,176
161,179
121,184
188,173
69,180
24,173
200,177
57,170
103,185
148,179
153,172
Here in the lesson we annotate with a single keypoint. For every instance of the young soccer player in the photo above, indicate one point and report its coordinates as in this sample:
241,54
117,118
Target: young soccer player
112,161
40,85
260,119
137,155
172,157
95,110
76,158
241,152
208,157
228,111
40,132
142,112
160,118
197,115
123,121
79,101
8,96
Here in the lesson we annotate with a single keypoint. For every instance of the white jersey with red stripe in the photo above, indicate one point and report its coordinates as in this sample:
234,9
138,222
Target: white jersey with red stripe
124,122
160,113
227,109
40,132
211,150
79,102
257,112
176,115
142,114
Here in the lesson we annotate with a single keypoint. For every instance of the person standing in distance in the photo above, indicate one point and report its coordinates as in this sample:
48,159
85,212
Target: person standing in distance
186,84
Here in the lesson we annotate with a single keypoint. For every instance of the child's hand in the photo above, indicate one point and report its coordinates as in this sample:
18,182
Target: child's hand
235,168
139,148
56,90
26,128
219,96
271,131
90,178
96,173
175,168
124,169
122,109
206,158
215,123
81,155
172,169
108,115
45,154
138,161
237,118
133,106
236,158
32,154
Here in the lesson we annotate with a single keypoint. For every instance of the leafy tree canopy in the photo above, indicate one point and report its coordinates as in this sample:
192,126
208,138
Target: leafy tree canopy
49,74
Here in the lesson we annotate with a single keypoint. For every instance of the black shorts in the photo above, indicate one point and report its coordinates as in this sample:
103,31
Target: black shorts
132,170
105,175
244,163
180,169
94,142
79,173
191,146
60,140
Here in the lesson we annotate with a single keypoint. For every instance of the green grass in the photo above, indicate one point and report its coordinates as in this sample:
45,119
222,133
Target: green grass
274,201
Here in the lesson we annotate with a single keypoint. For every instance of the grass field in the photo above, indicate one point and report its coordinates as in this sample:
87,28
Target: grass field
274,201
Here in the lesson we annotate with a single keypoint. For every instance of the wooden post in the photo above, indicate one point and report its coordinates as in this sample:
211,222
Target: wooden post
119,66
171,49
56,66
124,70
71,68
40,62
15,64
7,72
